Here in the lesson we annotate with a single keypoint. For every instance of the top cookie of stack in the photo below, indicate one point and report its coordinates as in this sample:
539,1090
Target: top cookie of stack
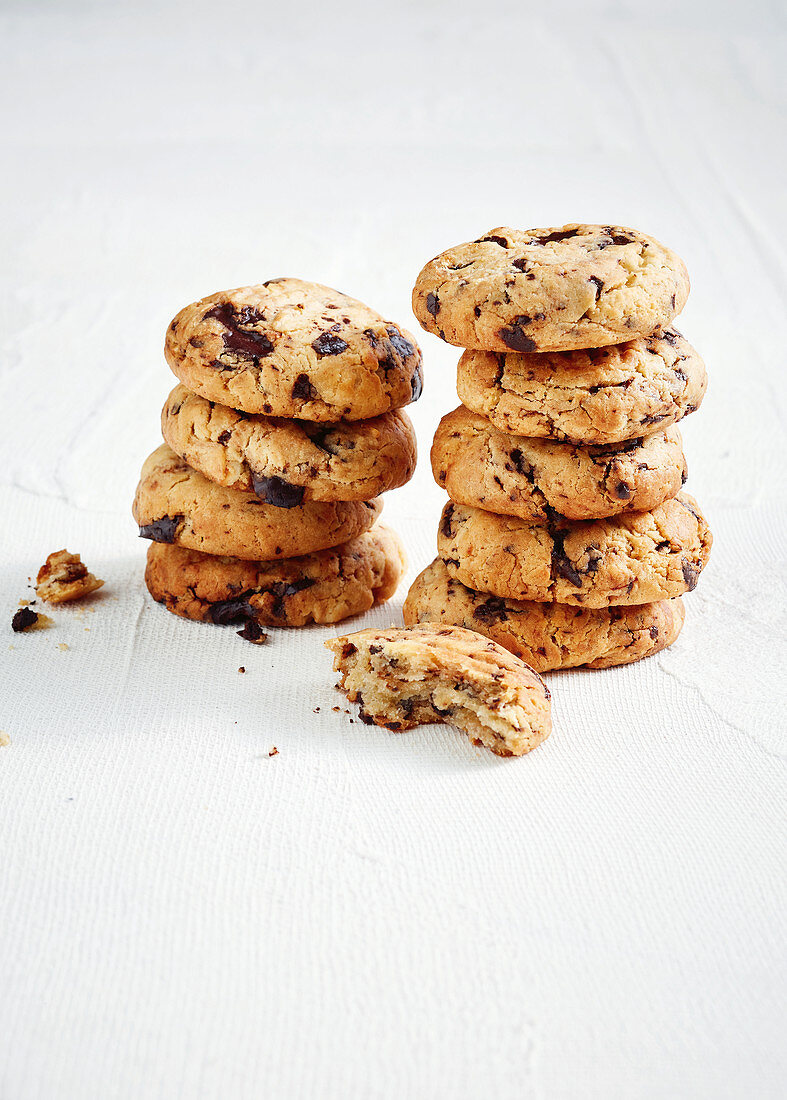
286,426
563,464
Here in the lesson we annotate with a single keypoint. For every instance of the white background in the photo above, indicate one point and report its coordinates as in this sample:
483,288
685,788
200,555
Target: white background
363,914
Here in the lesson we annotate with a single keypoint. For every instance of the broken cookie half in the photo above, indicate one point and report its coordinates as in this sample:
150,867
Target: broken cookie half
432,673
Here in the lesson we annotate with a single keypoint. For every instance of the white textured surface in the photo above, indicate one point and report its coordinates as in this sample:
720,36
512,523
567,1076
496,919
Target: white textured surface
366,914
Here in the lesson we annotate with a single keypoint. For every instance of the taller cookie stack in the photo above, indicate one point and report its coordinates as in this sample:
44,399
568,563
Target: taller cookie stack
567,538
284,430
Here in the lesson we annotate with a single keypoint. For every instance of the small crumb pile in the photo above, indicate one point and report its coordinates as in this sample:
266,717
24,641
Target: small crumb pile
63,577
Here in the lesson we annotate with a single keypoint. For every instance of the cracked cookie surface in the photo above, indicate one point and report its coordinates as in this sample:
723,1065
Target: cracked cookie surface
547,636
602,395
431,673
296,349
324,587
175,504
580,286
287,462
533,478
634,558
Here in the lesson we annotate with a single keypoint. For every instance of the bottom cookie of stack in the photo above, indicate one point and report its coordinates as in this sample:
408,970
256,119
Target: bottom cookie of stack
547,636
324,587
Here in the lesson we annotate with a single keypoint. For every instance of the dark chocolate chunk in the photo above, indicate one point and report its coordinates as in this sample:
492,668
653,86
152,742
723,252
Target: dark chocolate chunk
253,632
327,343
224,437
562,566
491,610
493,240
558,235
244,341
520,264
445,523
654,633
164,529
277,491
514,336
401,344
690,574
23,618
433,304
303,390
237,610
622,491
348,649
598,283
594,559
520,464
281,591
603,450
407,706
318,434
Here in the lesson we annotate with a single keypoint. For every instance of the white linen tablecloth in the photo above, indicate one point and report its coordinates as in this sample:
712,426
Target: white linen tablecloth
364,914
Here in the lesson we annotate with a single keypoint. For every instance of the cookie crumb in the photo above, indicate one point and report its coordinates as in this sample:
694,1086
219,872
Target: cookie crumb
242,668
274,751
316,710
64,577
253,632
63,646
5,740
23,620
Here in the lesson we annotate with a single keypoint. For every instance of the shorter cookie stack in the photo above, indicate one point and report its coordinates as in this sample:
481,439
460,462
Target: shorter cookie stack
567,538
283,432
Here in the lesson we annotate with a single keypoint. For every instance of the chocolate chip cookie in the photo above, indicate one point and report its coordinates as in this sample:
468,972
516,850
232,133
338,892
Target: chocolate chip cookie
634,558
324,587
287,462
431,673
581,286
175,504
604,395
546,635
534,478
293,348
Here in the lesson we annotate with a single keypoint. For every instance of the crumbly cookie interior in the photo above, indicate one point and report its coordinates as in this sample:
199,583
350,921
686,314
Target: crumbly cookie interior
396,691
